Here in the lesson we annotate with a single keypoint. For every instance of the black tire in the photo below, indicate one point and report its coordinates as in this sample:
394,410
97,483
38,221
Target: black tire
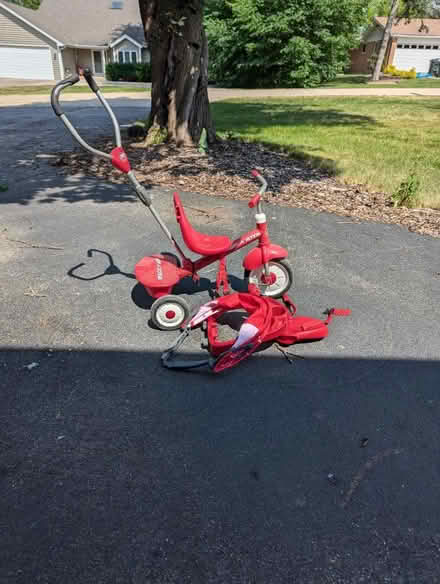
172,258
288,272
166,305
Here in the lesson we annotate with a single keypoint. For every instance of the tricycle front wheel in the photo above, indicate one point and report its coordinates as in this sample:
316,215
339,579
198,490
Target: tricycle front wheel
281,278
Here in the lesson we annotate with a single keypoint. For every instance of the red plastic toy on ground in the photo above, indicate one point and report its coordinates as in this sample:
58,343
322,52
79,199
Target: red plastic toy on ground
268,321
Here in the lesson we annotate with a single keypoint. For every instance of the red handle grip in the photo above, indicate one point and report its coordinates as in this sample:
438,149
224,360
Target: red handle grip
254,201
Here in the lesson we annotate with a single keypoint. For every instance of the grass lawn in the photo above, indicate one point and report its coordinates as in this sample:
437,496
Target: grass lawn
46,89
361,82
376,141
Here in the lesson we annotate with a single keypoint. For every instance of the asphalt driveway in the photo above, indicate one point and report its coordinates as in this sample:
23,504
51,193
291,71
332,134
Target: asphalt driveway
115,470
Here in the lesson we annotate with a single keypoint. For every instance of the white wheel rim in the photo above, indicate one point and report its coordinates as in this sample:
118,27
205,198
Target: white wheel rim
281,279
170,314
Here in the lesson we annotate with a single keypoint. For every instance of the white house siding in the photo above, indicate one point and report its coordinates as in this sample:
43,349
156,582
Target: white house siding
408,54
126,45
15,33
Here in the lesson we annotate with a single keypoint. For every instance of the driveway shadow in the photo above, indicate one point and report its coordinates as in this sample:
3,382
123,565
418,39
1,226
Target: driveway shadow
134,473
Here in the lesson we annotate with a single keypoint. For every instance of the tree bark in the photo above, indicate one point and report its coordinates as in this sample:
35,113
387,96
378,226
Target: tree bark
179,58
385,40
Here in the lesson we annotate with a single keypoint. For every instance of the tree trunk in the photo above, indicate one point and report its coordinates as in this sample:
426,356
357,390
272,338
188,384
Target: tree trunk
385,40
179,57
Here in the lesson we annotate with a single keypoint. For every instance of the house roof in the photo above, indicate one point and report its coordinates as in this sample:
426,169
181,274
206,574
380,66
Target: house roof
84,22
428,27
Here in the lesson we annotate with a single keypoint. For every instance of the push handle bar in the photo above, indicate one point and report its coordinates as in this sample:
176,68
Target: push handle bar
55,96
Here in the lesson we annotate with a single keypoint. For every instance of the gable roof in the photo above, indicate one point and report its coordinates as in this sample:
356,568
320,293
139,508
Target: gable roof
414,27
83,22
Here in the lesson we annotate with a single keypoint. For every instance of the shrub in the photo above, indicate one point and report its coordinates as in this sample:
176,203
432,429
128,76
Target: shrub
143,72
280,43
391,70
121,72
140,72
407,193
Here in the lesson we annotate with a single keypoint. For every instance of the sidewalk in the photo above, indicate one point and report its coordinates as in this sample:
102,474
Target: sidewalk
218,94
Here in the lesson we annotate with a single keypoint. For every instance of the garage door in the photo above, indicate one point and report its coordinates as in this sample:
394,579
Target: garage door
21,63
420,58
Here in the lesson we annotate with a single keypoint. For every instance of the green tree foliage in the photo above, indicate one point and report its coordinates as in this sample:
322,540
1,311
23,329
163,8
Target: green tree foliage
34,4
290,43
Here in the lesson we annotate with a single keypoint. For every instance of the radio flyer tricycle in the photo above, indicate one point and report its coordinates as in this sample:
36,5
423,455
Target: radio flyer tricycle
265,266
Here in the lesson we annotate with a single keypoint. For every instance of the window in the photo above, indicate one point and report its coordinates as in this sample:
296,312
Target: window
364,48
421,46
435,47
400,46
406,46
127,56
428,47
414,46
117,4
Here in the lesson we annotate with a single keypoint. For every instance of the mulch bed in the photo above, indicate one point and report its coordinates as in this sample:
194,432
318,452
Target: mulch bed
225,172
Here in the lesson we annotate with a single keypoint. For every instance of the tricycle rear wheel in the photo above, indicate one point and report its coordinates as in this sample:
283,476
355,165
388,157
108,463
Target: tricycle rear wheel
168,313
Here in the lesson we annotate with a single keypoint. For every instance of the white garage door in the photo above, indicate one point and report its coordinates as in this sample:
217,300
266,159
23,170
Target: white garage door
21,63
418,56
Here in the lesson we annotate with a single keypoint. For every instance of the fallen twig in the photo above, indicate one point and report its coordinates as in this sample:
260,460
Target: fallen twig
207,213
34,294
369,465
35,245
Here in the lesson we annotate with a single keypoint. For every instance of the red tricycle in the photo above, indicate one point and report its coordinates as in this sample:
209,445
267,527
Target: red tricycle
265,266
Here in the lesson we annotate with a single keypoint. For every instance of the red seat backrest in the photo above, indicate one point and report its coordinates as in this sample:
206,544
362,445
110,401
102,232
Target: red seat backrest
185,226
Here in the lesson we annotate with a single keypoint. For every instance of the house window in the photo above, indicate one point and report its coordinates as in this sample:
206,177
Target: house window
400,46
127,57
406,46
421,46
117,4
414,46
428,47
435,47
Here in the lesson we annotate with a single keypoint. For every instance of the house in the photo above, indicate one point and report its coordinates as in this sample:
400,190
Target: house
64,35
412,44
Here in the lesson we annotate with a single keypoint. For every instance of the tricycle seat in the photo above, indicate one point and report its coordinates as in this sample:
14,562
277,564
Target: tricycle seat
206,245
